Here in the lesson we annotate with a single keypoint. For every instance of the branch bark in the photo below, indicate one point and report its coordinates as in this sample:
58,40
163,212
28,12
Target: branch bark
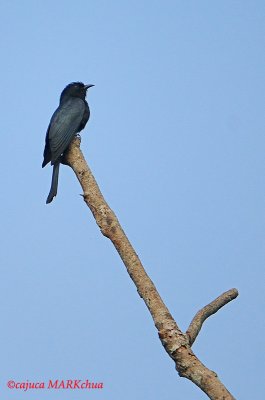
175,342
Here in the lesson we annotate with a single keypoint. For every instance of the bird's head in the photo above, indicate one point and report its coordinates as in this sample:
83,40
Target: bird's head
75,89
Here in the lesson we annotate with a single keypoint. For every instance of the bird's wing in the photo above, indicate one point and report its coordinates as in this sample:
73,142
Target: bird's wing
64,125
47,151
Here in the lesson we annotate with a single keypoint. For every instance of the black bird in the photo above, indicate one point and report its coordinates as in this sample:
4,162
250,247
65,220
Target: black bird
70,118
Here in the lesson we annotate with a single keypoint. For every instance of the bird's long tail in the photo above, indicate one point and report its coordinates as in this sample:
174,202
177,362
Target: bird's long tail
54,185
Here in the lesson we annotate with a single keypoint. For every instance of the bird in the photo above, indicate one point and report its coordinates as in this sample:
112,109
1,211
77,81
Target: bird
67,121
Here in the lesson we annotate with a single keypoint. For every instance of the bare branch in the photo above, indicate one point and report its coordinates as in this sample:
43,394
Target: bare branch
175,342
207,311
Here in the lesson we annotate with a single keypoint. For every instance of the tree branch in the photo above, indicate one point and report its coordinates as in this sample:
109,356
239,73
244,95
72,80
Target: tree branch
207,311
175,342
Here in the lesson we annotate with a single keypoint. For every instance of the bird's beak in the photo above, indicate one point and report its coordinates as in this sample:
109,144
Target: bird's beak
88,86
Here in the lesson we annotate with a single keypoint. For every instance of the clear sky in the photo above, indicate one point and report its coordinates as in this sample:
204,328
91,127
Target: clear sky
176,143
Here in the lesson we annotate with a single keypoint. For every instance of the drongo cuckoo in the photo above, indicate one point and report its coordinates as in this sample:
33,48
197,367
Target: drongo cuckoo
70,118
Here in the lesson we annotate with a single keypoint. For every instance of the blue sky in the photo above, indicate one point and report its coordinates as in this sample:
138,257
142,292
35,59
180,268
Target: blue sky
176,143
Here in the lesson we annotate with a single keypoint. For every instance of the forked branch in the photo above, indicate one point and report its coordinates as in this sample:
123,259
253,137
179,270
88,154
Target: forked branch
175,342
207,311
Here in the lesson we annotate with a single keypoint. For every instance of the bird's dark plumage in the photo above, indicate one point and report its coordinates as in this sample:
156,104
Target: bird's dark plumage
70,118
